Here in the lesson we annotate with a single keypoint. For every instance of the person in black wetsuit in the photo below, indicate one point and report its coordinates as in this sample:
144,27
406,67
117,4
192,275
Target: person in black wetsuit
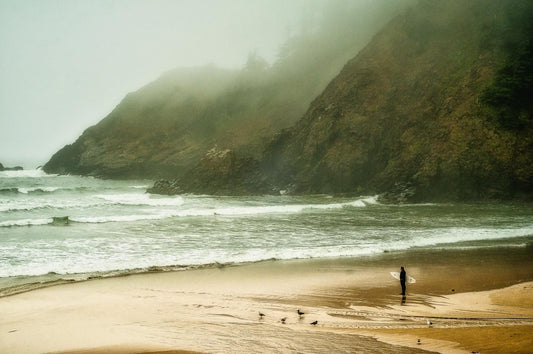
403,277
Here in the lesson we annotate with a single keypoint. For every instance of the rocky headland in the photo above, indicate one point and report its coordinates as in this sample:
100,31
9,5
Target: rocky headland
435,106
15,168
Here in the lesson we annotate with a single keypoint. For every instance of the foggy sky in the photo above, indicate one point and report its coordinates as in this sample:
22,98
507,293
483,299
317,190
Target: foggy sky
64,65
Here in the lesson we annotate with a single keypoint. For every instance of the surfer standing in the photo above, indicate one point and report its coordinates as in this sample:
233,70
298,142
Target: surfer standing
403,276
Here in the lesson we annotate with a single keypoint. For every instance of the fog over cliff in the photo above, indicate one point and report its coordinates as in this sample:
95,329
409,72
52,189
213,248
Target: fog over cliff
66,64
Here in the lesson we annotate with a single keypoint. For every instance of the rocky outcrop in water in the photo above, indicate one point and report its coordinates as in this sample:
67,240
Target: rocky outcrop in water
60,220
400,193
16,168
165,187
220,172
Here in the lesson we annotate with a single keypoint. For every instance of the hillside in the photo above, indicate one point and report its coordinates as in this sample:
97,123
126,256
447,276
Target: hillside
166,127
436,107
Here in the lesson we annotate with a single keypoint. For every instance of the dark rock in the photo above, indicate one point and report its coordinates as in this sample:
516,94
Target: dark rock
224,172
165,187
400,193
60,220
16,168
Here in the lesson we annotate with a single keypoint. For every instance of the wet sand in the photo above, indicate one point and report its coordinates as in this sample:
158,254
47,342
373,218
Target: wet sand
476,300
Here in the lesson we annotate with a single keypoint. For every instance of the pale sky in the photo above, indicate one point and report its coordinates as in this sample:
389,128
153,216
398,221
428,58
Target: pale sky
65,64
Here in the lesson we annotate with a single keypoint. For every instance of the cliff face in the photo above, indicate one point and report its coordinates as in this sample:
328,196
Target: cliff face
407,110
166,128
436,107
152,131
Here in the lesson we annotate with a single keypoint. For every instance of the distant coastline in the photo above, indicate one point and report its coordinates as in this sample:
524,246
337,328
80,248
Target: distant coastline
15,168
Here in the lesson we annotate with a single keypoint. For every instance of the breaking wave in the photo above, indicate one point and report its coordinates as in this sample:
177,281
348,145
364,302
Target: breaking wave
158,214
140,199
25,174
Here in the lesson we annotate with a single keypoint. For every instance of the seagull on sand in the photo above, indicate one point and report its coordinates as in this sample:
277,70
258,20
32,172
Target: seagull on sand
314,323
300,313
283,320
261,315
429,323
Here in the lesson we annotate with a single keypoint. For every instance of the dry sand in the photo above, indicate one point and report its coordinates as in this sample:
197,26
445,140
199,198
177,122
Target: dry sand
355,302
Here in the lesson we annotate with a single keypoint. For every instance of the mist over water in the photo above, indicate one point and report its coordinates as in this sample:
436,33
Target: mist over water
116,226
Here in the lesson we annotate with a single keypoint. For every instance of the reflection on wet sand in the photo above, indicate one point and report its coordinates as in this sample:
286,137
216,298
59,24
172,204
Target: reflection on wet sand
305,306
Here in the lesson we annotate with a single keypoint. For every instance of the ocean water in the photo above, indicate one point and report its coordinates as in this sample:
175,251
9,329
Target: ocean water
116,227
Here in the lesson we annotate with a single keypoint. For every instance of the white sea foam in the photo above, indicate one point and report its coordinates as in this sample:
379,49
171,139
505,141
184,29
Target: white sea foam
141,199
38,189
146,199
32,205
464,234
114,222
158,214
25,174
119,218
25,222
285,209
76,201
101,255
370,200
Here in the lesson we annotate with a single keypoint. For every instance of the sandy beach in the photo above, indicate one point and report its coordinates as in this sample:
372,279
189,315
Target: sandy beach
464,301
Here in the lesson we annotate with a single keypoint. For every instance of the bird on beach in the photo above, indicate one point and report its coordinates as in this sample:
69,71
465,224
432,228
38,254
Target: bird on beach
261,315
429,323
300,313
314,323
283,320
419,342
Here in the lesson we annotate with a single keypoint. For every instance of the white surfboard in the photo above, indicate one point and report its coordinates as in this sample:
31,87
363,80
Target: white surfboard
396,275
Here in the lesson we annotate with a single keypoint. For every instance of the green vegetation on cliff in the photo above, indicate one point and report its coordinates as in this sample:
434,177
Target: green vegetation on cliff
165,128
407,111
511,91
437,106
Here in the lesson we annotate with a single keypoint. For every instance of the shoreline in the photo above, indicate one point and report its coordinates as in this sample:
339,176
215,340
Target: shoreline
14,285
355,302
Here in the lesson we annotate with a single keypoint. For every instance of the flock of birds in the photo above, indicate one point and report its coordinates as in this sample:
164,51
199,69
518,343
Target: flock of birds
314,323
284,319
